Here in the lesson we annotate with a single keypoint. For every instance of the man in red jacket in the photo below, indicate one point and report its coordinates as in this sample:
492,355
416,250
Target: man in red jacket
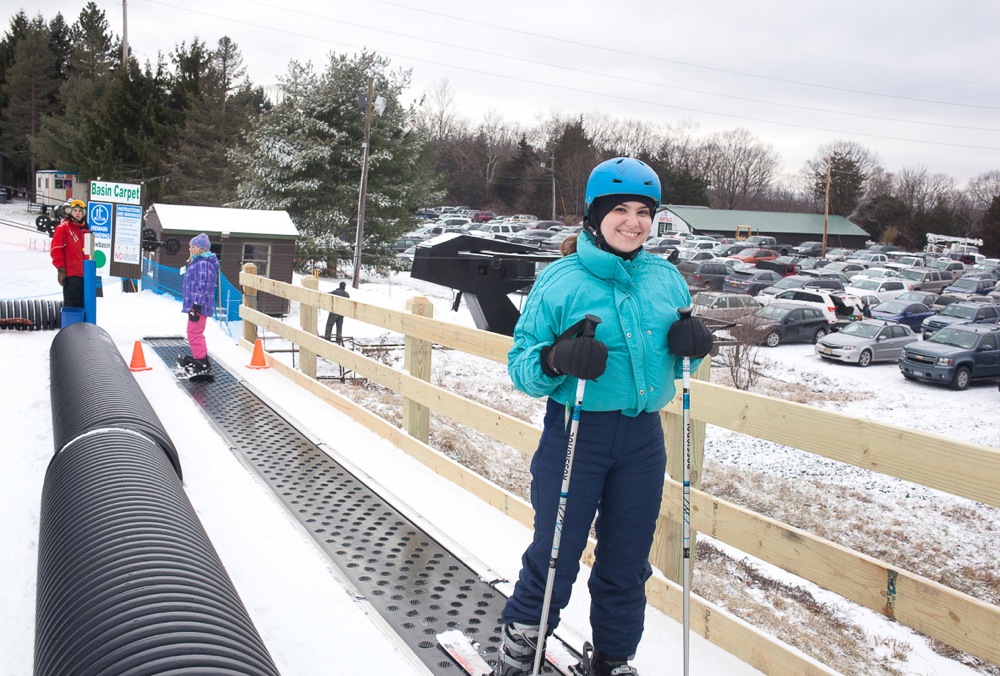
67,253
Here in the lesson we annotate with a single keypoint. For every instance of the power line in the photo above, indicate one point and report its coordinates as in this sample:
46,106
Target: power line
619,78
583,91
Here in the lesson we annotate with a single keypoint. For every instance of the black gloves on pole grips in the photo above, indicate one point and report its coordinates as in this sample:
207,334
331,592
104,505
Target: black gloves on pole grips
195,313
576,352
688,336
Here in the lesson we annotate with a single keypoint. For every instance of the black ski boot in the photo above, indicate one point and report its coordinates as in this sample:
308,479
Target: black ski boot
185,361
517,655
201,367
605,665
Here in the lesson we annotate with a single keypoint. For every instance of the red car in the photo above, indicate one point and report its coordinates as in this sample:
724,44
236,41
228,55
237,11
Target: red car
754,256
484,216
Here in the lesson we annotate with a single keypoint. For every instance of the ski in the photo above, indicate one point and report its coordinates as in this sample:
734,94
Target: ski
463,652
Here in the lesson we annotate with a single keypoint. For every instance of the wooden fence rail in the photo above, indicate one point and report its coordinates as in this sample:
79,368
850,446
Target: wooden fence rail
965,470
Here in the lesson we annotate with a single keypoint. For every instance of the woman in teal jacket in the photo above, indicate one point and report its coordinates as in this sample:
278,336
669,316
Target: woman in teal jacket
620,459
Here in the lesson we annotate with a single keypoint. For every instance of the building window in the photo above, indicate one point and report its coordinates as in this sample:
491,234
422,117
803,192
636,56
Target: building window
259,255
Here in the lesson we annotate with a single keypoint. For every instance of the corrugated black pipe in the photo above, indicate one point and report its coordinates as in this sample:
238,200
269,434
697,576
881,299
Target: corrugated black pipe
30,315
128,581
92,388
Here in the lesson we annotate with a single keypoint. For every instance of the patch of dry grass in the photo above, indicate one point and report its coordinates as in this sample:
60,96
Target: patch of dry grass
850,516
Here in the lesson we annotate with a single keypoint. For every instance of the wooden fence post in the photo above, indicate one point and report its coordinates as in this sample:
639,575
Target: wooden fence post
250,300
417,362
667,551
309,321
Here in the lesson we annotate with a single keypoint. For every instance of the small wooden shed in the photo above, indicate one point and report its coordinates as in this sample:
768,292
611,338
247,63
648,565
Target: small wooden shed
264,238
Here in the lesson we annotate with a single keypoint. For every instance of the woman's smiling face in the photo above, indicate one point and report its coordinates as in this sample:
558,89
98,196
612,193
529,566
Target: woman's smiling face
626,226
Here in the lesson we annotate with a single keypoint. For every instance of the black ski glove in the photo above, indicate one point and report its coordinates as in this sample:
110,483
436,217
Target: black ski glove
576,352
195,313
689,337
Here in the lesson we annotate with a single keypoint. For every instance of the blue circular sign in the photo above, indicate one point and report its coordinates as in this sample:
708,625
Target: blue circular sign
100,215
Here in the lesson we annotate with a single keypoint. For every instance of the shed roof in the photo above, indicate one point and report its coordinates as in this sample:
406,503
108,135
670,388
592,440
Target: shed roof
179,218
771,222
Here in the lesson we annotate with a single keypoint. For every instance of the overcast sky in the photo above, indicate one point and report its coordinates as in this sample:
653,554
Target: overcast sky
915,82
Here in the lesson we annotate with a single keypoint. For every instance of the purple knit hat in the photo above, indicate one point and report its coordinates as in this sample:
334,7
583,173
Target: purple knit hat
202,242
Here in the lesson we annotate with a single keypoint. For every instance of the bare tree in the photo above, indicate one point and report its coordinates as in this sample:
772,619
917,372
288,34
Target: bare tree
981,192
922,191
629,138
436,115
740,169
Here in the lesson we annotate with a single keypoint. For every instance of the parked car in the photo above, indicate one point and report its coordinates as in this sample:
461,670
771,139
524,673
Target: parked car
802,281
838,254
662,244
899,261
925,279
532,237
727,307
961,312
970,286
749,281
955,268
779,322
496,230
955,356
728,249
869,258
903,312
404,243
849,268
484,216
755,255
878,273
866,341
812,263
925,297
834,306
695,255
783,265
884,289
707,275
808,249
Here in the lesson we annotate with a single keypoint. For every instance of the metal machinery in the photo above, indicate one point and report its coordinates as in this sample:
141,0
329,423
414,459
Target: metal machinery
484,271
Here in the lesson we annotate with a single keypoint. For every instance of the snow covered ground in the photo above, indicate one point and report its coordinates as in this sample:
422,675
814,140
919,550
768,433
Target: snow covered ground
311,624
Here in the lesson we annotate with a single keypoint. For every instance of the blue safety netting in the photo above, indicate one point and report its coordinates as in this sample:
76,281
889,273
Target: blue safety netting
166,280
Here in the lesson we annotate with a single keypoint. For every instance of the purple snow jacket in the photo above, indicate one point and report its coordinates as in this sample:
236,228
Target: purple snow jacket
200,279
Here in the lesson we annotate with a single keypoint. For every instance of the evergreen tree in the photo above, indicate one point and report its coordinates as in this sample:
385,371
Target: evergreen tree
511,187
17,31
29,91
575,157
847,184
989,232
304,156
216,114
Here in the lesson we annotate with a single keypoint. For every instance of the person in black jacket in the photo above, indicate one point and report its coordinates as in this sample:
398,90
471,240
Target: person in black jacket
335,318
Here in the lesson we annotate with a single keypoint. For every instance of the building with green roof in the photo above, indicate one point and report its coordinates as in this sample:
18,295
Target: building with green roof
789,228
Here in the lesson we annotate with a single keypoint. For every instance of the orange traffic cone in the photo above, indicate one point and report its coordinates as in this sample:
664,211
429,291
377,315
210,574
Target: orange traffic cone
138,361
257,360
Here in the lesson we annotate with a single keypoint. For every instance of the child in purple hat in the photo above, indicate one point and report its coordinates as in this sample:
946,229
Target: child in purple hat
200,278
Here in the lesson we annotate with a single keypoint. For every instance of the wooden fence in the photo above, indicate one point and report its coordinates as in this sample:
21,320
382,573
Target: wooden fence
966,470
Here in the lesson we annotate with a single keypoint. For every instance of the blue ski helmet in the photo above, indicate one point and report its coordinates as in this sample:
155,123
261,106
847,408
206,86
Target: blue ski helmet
621,176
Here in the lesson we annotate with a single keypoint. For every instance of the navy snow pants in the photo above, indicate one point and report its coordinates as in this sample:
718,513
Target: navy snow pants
618,473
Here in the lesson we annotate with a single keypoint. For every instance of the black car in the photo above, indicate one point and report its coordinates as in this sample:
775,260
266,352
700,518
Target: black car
780,322
954,356
809,249
750,281
705,275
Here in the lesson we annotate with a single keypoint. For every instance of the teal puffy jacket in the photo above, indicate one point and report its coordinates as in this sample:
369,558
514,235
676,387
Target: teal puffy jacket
637,302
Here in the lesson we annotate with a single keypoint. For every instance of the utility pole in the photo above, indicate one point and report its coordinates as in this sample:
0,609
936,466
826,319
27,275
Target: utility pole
826,207
553,158
359,236
125,36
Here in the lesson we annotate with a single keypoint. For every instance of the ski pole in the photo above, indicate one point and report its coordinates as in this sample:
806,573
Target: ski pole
686,520
587,329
